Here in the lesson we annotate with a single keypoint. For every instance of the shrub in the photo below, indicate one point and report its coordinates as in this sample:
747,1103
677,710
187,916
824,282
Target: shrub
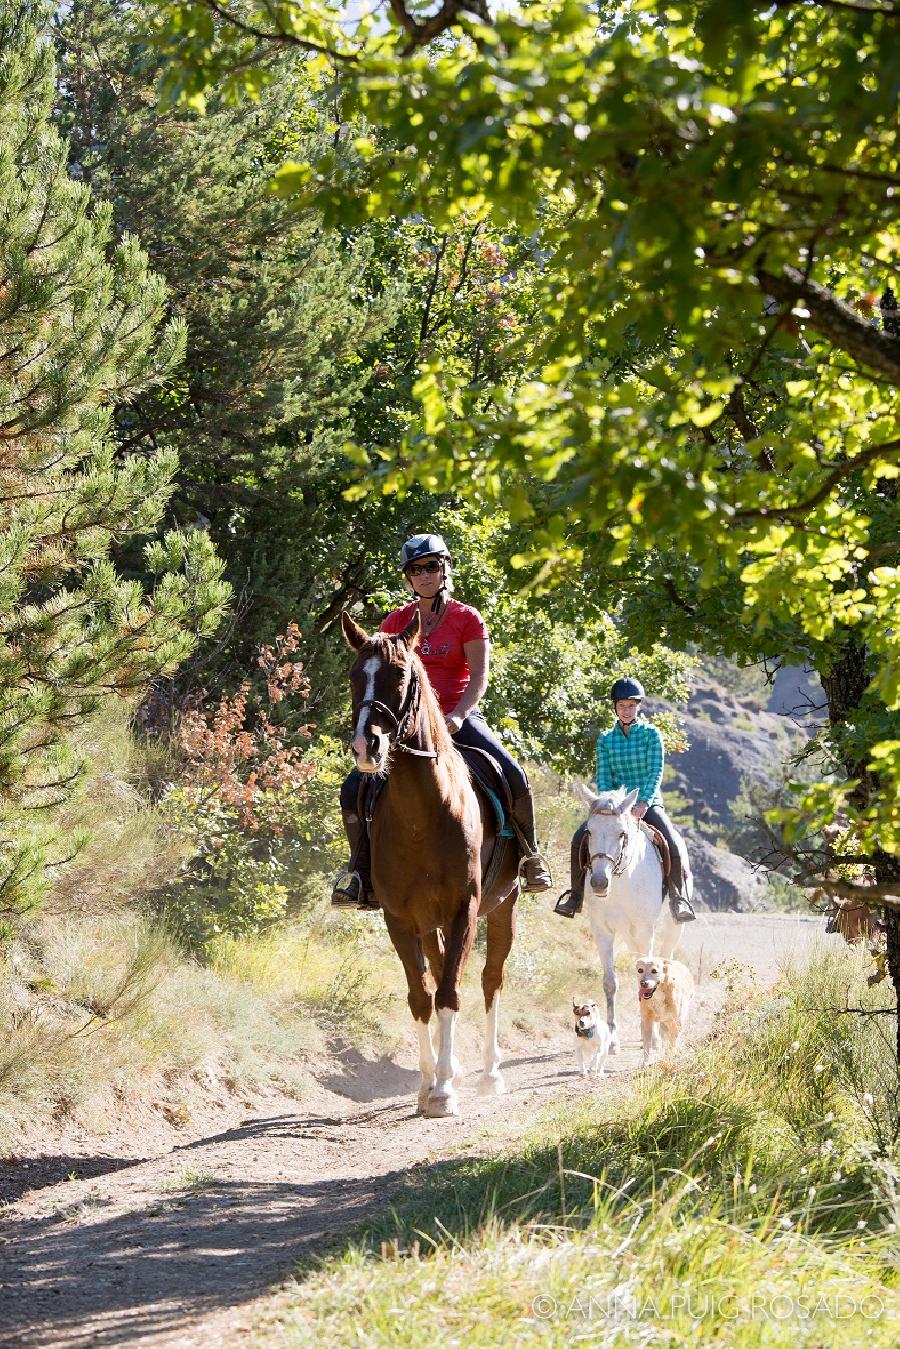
255,805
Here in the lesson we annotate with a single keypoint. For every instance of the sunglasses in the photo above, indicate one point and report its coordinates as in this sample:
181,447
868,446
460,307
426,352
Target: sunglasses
417,568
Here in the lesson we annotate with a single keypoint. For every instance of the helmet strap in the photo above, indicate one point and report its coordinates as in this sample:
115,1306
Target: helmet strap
438,602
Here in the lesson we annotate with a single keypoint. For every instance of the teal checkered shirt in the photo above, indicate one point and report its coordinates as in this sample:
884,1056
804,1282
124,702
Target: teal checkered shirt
633,760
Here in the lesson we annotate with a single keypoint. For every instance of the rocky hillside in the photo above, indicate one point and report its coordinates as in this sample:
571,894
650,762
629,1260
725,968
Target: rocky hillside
741,733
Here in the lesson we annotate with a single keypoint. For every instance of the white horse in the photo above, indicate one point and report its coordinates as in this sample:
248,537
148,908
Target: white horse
623,890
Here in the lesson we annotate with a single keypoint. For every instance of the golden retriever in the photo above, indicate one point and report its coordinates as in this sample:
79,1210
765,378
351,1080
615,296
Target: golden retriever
665,994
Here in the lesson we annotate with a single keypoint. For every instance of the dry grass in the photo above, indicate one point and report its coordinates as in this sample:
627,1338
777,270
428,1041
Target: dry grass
128,846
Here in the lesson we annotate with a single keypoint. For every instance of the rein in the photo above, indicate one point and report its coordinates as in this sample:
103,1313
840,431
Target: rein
408,712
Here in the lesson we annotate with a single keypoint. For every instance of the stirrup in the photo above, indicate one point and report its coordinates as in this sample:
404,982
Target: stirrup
347,891
567,906
682,909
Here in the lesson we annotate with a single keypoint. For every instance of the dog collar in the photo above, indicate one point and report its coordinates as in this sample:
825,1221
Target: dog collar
585,1034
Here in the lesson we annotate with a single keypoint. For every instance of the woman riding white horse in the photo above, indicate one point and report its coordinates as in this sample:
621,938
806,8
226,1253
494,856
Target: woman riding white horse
631,756
625,896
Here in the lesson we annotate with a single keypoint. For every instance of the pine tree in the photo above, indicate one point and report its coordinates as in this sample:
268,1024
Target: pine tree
278,315
81,330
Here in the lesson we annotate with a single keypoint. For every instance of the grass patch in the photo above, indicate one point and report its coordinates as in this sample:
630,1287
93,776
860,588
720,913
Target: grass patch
107,1006
760,1179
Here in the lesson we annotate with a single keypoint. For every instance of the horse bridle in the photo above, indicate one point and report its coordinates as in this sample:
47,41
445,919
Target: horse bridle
619,860
402,719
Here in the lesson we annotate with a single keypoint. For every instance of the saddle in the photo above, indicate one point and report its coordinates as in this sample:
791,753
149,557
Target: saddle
486,777
656,838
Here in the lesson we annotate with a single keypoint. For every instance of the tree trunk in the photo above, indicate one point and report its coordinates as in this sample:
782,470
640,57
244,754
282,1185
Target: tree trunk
844,687
887,869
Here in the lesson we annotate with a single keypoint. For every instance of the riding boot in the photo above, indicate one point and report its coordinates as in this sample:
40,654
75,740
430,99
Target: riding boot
352,888
533,869
678,886
681,906
570,901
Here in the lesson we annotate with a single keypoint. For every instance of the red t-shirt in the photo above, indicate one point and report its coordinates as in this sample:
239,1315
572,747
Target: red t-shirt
442,653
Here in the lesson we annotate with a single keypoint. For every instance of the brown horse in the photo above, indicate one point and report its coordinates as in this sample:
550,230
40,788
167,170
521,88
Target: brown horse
431,835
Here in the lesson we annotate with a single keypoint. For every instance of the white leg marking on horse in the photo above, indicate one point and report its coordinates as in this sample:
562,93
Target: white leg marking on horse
443,1099
492,1083
426,1063
668,933
370,670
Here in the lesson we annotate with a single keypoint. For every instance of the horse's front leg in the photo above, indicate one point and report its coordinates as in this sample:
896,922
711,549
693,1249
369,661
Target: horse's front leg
458,943
605,945
433,942
421,1003
667,934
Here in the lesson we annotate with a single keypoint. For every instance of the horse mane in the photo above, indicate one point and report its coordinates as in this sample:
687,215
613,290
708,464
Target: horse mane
609,801
429,707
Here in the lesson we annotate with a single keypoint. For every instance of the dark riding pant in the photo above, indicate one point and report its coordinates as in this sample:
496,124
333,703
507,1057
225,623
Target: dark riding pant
475,731
656,816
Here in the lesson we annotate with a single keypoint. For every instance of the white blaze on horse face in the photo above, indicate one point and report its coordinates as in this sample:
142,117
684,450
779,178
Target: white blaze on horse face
358,743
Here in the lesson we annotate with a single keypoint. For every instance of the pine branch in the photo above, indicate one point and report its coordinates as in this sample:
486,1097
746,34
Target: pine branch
279,35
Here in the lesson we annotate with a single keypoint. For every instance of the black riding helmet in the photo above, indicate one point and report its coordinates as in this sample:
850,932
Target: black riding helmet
627,688
422,545
427,545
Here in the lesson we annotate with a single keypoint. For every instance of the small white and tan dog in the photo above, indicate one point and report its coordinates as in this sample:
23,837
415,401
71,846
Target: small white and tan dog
665,994
592,1038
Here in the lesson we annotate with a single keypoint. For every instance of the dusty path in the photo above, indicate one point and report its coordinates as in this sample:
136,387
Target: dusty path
169,1249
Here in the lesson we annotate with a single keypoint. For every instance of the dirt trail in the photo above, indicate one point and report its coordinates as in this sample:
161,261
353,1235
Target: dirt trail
173,1247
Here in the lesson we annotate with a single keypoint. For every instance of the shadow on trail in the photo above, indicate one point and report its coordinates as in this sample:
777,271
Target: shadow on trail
85,1276
19,1177
362,1079
193,1252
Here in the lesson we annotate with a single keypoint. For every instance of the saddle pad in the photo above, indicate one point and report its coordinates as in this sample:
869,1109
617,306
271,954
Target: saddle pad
658,840
487,776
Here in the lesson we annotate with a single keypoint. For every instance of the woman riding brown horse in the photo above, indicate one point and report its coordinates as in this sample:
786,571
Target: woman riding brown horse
431,837
454,646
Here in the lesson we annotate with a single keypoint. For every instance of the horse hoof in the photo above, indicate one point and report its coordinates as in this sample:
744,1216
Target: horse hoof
442,1105
492,1084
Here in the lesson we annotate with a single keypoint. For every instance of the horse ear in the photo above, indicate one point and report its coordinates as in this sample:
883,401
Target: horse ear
355,635
629,801
411,631
587,793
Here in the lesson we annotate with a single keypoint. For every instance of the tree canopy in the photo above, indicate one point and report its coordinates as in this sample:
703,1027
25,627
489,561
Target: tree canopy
710,190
